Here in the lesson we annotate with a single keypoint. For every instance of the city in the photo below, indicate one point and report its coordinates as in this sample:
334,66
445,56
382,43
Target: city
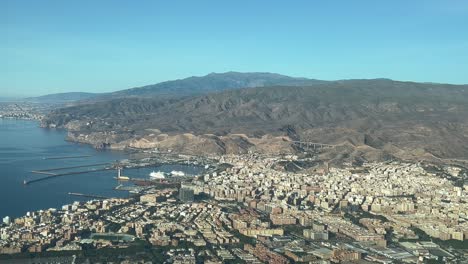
232,132
23,110
251,210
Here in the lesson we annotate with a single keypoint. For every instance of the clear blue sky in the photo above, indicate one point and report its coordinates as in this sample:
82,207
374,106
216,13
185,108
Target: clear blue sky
99,46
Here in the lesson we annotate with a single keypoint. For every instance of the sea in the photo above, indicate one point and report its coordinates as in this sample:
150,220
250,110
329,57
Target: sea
25,147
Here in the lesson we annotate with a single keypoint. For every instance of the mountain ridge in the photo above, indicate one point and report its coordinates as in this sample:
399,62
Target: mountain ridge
61,97
213,82
383,117
193,85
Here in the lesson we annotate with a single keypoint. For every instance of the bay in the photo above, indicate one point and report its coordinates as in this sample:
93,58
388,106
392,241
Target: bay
24,147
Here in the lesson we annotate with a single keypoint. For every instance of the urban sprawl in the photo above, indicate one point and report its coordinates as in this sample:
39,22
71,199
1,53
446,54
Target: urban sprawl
249,209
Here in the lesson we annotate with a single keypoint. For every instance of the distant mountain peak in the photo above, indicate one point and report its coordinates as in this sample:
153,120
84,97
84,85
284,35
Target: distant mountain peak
212,82
62,97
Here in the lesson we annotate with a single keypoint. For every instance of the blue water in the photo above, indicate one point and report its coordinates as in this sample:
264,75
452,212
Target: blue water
23,147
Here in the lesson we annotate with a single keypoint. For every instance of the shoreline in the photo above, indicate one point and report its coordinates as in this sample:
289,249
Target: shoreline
52,144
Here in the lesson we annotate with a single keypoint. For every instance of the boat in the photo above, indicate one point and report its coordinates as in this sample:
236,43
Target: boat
177,173
157,175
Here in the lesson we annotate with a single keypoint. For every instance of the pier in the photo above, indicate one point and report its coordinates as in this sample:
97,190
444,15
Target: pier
88,195
43,172
65,168
68,157
126,188
52,175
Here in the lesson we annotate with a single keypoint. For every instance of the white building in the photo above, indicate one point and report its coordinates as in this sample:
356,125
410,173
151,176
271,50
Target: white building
6,220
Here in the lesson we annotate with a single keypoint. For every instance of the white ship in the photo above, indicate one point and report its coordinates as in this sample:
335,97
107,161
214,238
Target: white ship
157,175
177,173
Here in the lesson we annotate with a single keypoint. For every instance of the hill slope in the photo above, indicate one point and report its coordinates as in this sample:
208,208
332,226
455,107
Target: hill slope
398,118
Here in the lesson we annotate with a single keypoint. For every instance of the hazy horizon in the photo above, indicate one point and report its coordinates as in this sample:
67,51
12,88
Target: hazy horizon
88,46
9,97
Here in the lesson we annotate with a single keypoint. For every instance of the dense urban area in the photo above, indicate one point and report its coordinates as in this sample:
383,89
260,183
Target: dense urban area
250,209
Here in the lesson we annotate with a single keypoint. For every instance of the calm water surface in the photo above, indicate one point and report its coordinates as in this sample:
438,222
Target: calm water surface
24,147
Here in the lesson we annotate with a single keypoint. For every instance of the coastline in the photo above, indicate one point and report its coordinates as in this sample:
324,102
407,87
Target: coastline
27,148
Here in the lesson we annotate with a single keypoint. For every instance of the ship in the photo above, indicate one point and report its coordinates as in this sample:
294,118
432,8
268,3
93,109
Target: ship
177,173
157,175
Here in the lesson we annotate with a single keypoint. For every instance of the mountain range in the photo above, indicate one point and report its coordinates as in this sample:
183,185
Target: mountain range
237,112
195,85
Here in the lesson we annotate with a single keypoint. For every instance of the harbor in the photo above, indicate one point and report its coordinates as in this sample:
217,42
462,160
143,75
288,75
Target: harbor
154,162
157,172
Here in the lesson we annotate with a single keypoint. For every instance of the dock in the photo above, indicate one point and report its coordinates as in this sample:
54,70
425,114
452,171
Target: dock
126,188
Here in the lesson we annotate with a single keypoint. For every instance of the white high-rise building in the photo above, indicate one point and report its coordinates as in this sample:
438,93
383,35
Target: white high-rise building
6,220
